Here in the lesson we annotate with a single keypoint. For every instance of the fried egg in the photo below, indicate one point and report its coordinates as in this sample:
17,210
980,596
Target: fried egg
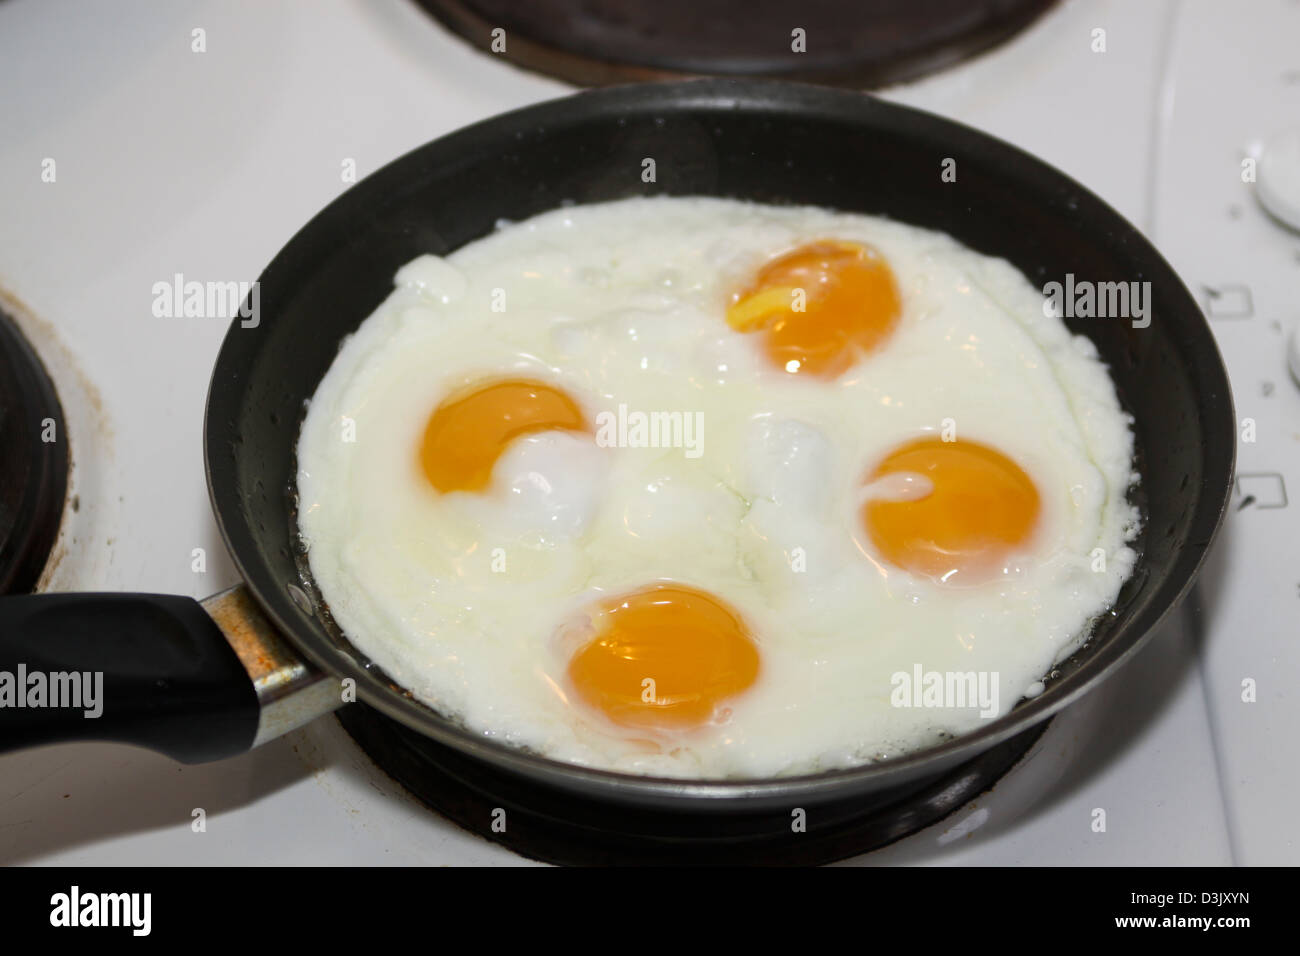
691,487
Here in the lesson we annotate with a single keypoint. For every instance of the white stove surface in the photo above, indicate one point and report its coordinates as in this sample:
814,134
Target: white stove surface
169,160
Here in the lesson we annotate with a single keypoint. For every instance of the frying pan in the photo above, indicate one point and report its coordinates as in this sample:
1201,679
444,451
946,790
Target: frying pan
205,681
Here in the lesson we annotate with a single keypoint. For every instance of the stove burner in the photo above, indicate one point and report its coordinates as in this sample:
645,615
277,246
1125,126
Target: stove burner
596,42
557,827
33,462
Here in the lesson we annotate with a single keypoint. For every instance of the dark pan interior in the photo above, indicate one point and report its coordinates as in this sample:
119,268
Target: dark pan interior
763,141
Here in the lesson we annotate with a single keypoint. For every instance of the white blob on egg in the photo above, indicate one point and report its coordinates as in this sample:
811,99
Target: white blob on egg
435,278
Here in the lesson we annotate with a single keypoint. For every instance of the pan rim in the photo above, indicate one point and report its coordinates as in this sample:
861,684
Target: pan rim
775,99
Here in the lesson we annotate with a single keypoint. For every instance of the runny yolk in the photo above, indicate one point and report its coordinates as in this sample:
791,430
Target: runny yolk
667,657
468,432
850,304
979,508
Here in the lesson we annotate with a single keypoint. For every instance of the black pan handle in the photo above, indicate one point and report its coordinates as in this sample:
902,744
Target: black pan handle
155,670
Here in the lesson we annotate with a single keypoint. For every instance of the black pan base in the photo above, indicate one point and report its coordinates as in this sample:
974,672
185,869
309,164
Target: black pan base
560,828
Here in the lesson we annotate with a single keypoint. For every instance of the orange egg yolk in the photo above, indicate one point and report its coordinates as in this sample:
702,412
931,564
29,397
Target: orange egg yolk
980,507
667,657
849,299
468,432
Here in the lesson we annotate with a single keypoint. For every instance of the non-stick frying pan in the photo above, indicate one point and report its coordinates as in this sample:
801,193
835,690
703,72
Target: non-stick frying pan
171,679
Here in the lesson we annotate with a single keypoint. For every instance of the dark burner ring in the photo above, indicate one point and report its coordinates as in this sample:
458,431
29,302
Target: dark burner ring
33,472
558,827
864,44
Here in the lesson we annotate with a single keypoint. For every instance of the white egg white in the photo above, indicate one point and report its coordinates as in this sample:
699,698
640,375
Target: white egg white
475,600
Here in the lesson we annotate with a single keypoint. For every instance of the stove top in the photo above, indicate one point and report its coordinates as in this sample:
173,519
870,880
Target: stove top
167,141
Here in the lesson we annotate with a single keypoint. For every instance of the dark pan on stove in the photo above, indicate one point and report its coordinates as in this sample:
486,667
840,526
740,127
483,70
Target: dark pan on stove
764,141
